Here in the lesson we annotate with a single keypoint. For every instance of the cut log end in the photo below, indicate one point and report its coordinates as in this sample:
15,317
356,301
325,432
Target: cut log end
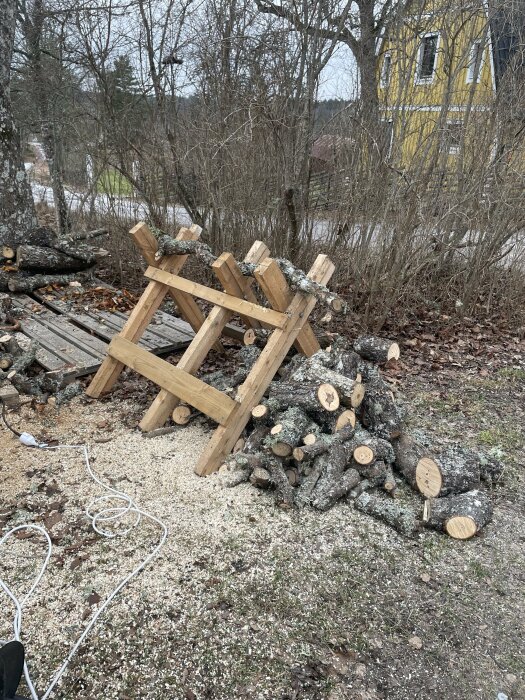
281,449
363,454
249,337
310,439
328,397
347,417
428,477
461,527
181,415
298,454
358,394
259,412
278,428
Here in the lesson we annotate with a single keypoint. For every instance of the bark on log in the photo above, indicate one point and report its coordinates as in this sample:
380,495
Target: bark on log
314,398
284,493
461,516
390,512
361,487
491,469
379,412
288,432
41,236
312,371
336,421
4,281
368,448
29,257
325,496
378,350
376,474
25,359
304,453
19,283
256,336
255,438
261,478
408,452
453,470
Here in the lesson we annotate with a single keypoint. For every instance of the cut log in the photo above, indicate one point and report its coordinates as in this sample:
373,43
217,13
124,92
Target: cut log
379,413
7,252
288,432
292,474
284,493
313,398
239,445
326,496
24,360
40,259
453,470
461,516
28,283
389,484
323,444
361,487
6,360
367,448
390,512
182,414
491,469
261,478
312,371
260,413
376,474
254,440
408,452
378,350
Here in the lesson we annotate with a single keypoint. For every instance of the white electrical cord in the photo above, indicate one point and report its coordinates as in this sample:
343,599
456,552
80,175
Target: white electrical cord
98,516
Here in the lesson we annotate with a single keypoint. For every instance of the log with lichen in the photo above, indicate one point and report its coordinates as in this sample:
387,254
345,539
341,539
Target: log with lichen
461,515
378,350
401,518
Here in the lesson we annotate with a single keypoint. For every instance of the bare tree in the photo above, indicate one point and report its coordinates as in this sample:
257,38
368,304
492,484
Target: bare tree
17,212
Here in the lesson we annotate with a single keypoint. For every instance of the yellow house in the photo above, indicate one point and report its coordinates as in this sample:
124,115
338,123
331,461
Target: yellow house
440,74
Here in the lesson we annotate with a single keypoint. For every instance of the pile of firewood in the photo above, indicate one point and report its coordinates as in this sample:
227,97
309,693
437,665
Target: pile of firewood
46,259
330,428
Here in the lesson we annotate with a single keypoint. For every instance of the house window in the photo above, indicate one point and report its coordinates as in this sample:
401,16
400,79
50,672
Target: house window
386,70
451,142
427,58
474,62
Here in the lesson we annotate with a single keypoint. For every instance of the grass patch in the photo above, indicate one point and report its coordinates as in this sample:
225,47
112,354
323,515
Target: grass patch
498,437
513,374
114,183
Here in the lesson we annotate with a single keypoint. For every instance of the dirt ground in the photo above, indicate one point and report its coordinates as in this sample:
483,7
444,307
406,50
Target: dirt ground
250,601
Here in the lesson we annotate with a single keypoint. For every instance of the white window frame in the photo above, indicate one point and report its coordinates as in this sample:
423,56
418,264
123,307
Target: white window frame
430,79
453,150
386,76
471,64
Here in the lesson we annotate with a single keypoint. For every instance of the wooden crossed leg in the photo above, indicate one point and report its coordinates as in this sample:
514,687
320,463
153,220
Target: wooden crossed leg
287,316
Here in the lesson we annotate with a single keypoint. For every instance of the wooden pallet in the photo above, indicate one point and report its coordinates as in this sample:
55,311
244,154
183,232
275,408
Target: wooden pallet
79,341
287,316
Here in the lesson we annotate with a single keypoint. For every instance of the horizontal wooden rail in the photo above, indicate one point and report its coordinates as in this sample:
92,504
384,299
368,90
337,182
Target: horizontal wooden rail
239,306
194,391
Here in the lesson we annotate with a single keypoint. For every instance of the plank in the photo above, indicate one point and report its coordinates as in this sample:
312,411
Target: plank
238,306
187,306
164,403
139,319
251,392
61,343
176,381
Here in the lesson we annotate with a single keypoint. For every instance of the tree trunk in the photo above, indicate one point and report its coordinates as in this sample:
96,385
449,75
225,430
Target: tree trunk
17,211
17,283
399,517
378,350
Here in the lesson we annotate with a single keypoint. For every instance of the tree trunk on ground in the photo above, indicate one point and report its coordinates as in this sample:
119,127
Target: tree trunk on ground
49,260
460,516
17,283
17,210
378,350
453,470
400,518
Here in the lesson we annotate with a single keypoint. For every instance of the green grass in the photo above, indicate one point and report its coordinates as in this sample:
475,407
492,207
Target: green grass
499,437
513,374
114,183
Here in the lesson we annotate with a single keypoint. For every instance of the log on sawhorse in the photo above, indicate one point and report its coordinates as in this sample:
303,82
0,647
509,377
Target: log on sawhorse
287,316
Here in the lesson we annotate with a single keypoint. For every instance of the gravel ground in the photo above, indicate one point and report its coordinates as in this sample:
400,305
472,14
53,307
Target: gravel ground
250,601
